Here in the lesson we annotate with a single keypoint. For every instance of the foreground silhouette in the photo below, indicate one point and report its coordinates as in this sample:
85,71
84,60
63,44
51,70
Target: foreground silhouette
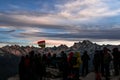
33,66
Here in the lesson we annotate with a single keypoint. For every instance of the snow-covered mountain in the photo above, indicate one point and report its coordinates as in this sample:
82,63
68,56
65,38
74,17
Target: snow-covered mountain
80,46
9,55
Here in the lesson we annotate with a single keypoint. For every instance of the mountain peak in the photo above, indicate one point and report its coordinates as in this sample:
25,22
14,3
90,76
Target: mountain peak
86,42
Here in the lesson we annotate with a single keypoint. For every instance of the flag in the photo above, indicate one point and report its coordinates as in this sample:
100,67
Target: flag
41,43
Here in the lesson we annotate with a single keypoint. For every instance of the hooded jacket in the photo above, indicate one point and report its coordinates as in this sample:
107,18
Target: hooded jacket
77,54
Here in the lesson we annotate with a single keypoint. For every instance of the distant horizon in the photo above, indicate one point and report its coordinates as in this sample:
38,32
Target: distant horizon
25,22
36,45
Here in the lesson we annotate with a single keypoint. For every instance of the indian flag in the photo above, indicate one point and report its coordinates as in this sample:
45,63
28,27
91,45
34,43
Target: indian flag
41,43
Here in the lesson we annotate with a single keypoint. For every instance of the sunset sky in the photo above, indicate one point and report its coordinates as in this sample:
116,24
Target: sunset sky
24,22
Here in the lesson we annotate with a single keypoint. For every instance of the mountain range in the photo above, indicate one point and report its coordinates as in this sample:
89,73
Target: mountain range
80,46
10,55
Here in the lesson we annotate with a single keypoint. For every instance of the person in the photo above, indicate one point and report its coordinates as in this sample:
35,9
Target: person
107,60
64,65
49,58
116,60
85,59
101,62
27,67
22,68
37,67
97,63
44,59
32,72
54,60
43,67
76,66
70,63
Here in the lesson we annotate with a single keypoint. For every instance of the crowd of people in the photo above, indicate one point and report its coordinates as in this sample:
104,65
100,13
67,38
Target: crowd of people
103,60
33,66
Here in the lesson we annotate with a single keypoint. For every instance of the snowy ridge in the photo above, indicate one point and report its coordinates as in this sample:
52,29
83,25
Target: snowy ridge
80,46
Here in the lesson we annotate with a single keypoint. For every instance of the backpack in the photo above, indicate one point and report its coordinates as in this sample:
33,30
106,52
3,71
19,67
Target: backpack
107,59
73,61
27,62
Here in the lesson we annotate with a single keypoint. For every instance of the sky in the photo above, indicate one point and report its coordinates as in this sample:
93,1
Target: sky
24,22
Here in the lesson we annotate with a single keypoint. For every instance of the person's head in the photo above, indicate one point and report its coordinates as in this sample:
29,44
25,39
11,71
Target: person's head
22,58
39,54
62,52
31,53
106,50
71,54
26,56
77,54
115,49
96,51
54,55
36,55
49,54
85,53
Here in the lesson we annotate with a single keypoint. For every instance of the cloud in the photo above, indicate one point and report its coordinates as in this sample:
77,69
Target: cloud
86,34
5,32
70,14
14,6
85,9
69,20
25,19
28,20
10,42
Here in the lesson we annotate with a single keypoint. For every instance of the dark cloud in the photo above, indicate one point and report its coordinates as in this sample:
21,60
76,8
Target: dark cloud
12,43
10,31
89,34
103,30
12,20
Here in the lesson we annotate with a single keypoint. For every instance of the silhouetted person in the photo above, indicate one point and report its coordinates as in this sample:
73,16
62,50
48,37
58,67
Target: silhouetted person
54,61
43,70
97,63
76,66
71,63
107,60
27,68
32,65
64,65
22,68
49,59
37,67
85,59
44,59
101,62
116,60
